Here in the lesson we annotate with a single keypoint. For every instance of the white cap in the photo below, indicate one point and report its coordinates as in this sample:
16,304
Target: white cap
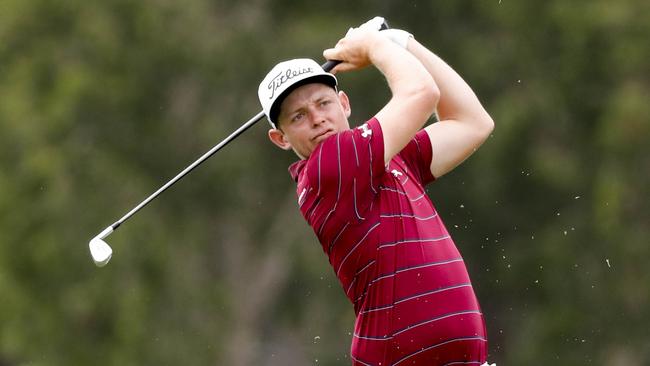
284,78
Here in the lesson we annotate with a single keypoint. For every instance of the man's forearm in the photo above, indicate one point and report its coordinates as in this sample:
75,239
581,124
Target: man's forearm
402,71
464,123
414,95
457,100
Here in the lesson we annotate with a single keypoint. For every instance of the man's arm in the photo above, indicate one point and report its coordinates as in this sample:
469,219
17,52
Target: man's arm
414,92
463,122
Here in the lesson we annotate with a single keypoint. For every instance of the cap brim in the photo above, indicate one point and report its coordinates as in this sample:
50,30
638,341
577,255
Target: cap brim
274,112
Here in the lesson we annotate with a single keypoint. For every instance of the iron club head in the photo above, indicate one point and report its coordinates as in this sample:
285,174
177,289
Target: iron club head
99,250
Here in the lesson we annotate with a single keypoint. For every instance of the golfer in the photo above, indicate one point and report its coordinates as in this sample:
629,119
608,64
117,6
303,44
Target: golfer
362,191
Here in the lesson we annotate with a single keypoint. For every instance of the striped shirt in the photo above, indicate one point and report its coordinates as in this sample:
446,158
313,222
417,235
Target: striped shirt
391,252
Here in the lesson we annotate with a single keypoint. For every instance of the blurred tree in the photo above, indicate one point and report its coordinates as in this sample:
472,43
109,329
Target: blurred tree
103,101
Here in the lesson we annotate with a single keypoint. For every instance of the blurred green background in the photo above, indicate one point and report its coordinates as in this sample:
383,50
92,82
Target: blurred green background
103,101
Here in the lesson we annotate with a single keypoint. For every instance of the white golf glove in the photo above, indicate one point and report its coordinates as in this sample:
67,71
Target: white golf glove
398,36
373,24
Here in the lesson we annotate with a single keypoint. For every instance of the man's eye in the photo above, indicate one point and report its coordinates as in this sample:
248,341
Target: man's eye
297,117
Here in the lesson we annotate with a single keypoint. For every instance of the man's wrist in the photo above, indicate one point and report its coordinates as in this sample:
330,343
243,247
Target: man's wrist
380,45
398,36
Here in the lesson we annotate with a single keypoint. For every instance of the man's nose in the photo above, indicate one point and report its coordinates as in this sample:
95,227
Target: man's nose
317,117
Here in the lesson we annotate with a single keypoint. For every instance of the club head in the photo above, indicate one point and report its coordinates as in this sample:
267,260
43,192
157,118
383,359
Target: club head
100,251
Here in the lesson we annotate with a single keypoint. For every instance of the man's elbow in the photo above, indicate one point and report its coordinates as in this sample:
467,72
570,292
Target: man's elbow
484,125
488,124
429,96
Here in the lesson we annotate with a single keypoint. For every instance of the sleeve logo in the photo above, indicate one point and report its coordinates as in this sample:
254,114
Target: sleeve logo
366,131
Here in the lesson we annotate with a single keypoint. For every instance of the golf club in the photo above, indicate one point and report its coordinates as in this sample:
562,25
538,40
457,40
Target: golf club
101,252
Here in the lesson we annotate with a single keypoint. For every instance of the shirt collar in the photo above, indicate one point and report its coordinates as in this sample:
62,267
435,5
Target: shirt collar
296,168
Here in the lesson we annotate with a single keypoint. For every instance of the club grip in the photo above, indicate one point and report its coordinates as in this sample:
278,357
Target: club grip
330,64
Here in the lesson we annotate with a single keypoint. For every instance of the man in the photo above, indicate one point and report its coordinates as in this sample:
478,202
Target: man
361,190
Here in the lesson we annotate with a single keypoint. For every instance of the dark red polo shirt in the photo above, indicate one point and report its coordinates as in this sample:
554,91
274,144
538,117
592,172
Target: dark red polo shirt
391,251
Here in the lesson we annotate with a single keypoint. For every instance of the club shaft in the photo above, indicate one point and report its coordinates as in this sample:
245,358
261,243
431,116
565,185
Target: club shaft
191,167
327,66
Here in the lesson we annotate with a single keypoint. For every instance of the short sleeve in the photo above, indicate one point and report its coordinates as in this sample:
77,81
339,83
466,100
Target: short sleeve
417,155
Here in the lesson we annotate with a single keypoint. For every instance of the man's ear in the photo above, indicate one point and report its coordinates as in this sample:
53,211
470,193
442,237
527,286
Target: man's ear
345,103
277,137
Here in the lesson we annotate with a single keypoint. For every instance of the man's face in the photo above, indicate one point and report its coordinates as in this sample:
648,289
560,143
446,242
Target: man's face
309,115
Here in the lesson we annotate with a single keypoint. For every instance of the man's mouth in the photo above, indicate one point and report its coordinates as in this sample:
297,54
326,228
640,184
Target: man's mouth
321,136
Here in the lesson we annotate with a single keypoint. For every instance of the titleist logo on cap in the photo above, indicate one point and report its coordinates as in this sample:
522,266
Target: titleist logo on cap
285,76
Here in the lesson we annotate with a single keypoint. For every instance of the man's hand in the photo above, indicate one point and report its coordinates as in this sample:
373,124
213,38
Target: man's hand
358,58
373,24
355,49
398,36
414,92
